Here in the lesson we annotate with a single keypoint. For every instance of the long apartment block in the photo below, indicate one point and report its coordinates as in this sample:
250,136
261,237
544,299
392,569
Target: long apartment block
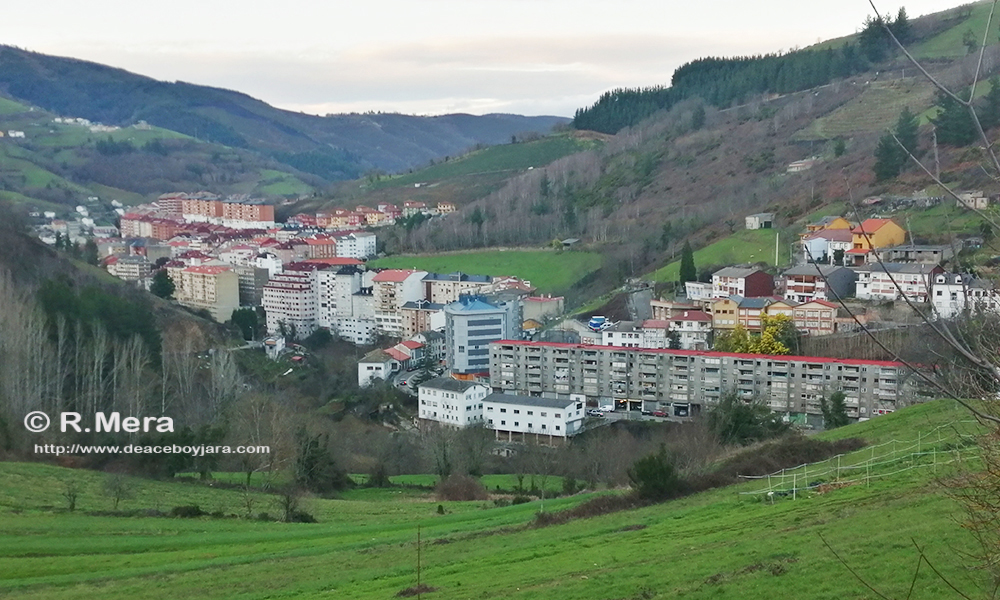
683,383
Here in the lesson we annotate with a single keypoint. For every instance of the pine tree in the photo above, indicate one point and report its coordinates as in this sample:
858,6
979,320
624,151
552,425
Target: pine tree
954,123
888,157
907,127
688,271
901,27
989,111
834,410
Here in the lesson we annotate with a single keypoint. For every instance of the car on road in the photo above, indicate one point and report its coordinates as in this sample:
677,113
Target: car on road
647,413
659,413
593,412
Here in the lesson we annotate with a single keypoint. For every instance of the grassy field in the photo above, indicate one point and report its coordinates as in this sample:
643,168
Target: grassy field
276,183
549,271
718,544
741,247
874,110
9,107
948,44
506,157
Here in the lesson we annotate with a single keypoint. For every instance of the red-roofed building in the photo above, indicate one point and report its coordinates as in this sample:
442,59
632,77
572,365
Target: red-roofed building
391,289
412,207
818,317
875,233
691,329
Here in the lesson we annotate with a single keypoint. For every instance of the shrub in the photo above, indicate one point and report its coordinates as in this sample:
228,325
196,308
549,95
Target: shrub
460,488
654,477
569,486
187,512
520,499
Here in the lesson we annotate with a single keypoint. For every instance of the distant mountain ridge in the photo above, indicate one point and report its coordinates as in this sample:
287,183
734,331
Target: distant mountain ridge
332,147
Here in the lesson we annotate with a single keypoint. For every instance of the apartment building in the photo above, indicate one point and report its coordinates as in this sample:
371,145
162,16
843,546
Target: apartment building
335,289
247,214
290,300
471,324
391,289
685,382
547,421
446,288
889,281
693,329
214,288
357,244
741,281
818,282
451,403
422,316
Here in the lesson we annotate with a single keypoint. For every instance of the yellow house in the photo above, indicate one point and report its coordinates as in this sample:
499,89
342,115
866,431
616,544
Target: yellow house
877,233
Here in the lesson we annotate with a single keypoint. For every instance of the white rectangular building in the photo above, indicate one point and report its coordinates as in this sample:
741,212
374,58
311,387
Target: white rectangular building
451,402
528,418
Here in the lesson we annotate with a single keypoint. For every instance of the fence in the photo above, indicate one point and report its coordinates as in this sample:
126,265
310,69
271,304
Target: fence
888,459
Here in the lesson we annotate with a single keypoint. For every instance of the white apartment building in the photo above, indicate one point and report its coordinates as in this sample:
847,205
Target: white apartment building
290,300
527,418
451,402
954,293
889,281
693,327
335,292
211,287
360,245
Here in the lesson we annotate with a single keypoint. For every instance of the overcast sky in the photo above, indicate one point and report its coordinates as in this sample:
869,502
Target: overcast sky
426,56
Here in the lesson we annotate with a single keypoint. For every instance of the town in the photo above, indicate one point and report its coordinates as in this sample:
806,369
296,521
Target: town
488,339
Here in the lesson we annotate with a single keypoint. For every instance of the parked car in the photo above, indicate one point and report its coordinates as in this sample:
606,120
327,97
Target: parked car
647,413
593,412
659,413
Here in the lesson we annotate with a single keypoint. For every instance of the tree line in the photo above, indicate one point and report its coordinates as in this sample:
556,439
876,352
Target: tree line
722,82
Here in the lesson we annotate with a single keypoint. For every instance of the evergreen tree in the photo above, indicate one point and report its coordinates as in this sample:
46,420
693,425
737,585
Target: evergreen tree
688,271
834,411
244,318
901,27
888,159
698,118
907,127
873,41
162,285
954,123
839,147
90,253
989,111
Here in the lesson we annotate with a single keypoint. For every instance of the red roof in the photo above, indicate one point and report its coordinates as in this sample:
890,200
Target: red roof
871,225
393,275
334,261
785,357
412,345
820,302
543,299
397,354
692,315
858,251
831,235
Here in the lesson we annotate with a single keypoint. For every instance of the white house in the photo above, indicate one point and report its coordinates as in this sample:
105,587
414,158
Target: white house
954,293
697,290
760,221
451,402
358,245
541,420
377,364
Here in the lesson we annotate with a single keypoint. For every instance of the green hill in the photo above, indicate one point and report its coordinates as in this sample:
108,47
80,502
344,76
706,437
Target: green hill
719,544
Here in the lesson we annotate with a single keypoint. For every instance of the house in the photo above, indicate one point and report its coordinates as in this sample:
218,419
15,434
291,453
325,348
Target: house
451,403
973,200
829,223
955,293
624,334
273,346
801,165
819,282
750,312
724,313
447,288
874,233
693,329
889,281
816,317
377,364
664,310
445,208
433,342
822,246
547,421
698,291
741,281
760,221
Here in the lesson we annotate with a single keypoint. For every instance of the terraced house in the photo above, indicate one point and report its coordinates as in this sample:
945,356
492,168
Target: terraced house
685,382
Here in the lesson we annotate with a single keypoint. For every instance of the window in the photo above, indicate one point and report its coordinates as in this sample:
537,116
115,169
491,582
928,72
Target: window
516,424
503,410
544,415
543,426
517,412
558,415
503,422
530,413
557,428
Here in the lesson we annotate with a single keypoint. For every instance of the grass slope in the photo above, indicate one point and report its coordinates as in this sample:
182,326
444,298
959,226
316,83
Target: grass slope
712,545
548,270
503,158
741,247
876,109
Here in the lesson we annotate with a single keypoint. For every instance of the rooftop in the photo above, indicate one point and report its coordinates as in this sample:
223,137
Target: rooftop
394,275
737,272
527,400
449,384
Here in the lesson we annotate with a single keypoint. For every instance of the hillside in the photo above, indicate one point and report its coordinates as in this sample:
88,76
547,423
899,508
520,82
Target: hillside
332,147
718,544
57,165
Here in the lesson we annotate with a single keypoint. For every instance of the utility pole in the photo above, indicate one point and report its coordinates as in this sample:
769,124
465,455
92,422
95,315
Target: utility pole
937,163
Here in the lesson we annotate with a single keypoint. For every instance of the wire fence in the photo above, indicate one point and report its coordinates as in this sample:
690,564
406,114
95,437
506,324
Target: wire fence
931,450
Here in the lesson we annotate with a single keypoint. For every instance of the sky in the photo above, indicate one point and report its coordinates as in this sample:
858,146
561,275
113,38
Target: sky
533,57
